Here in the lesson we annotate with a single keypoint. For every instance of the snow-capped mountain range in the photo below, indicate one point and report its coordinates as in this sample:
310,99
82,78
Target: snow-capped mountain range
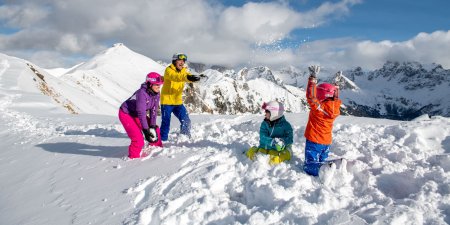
396,91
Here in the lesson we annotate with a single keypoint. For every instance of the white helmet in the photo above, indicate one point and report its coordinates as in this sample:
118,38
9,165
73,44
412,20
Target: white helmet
275,108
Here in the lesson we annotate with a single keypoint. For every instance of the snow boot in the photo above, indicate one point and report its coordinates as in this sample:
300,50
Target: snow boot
251,152
275,157
144,154
282,156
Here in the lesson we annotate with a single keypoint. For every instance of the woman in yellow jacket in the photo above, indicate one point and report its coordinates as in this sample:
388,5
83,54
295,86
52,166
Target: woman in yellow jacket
175,76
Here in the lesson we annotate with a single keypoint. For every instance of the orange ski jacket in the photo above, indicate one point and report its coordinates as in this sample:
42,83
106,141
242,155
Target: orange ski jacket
321,116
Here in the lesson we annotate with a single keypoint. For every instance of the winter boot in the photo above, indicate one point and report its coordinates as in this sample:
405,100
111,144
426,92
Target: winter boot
282,156
145,152
252,152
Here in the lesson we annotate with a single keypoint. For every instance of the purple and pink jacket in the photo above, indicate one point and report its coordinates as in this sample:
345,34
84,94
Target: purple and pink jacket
141,102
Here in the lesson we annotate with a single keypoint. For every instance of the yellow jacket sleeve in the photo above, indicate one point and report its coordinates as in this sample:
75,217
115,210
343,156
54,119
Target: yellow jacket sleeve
172,74
172,90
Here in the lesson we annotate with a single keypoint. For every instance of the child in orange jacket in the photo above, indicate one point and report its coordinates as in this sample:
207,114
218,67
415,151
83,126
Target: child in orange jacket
324,102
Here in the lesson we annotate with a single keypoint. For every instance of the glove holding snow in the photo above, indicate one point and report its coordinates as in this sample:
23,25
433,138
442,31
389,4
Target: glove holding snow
147,134
314,70
278,143
193,78
153,135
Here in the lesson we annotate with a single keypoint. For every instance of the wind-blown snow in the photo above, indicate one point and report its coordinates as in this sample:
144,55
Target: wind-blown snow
69,169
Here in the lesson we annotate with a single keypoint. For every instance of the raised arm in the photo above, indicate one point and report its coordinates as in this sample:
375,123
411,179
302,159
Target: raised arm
311,87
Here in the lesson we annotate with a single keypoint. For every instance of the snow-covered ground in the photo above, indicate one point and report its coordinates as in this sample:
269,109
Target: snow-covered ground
58,168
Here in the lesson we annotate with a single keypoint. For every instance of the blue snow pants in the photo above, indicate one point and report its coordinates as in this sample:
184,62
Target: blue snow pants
315,156
181,113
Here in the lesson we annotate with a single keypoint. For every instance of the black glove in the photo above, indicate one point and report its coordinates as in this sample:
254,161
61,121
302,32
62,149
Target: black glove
193,78
147,134
153,135
150,134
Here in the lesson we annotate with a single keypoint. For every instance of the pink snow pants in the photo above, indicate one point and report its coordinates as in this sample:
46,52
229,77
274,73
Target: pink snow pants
133,128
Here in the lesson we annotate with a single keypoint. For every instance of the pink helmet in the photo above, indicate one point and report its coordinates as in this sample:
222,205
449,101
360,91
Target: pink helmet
154,78
325,90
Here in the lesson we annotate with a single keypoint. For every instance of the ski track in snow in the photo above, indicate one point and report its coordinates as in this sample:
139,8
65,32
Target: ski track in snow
20,122
17,121
220,186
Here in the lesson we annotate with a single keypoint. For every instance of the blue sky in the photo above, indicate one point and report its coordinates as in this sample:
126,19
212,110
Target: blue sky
395,20
376,20
335,33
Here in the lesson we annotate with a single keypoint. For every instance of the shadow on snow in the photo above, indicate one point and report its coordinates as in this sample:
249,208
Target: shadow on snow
84,149
98,132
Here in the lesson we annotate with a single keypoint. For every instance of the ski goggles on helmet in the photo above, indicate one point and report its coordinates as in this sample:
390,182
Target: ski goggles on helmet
155,80
268,107
264,105
180,57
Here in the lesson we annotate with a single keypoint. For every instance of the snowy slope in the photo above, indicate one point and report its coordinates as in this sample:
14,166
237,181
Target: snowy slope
27,79
112,76
60,168
57,72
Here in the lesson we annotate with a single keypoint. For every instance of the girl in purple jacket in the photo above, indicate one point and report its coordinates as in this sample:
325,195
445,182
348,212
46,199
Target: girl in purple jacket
138,113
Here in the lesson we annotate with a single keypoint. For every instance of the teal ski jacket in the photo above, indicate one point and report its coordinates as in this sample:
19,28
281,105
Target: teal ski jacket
279,128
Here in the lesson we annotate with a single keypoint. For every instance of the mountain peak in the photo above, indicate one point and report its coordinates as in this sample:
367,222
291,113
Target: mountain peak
412,75
117,48
118,45
118,54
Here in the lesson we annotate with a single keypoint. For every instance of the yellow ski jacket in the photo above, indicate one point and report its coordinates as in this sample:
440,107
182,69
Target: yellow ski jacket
172,90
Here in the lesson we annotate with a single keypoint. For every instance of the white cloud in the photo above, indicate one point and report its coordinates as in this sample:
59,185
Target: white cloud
69,42
23,16
258,22
207,31
348,53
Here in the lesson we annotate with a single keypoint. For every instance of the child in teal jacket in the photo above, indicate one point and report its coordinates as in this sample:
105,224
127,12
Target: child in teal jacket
275,134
